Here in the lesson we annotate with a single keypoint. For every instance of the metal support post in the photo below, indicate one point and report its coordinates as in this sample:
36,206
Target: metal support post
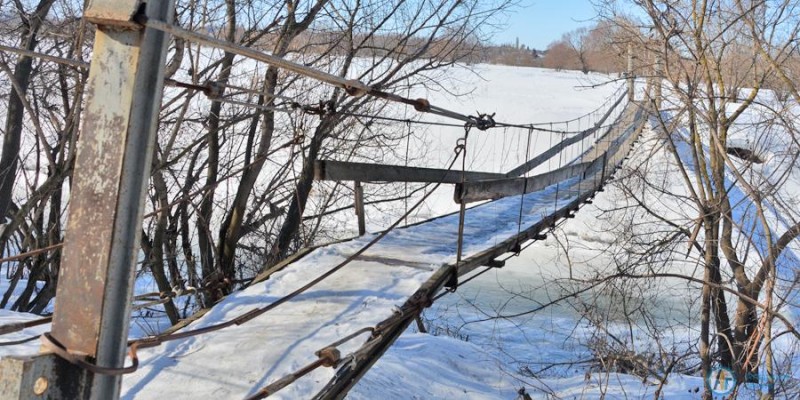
112,168
631,93
658,80
359,205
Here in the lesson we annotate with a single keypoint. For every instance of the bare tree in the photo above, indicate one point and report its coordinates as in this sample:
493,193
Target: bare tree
41,122
721,63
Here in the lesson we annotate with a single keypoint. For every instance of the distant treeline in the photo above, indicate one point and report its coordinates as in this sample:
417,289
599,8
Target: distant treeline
599,48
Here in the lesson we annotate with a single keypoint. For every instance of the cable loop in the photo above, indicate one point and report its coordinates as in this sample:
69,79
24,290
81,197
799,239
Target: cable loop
461,145
58,349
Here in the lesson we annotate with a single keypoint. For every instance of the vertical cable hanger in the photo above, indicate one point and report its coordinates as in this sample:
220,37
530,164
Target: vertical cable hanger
405,190
524,185
452,284
560,164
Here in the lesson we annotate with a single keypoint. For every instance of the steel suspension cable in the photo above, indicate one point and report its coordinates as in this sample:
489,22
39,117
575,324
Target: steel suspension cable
158,340
351,86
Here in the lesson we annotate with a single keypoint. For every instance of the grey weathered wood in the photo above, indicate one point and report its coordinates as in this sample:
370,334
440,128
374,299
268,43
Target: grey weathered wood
328,170
494,189
359,206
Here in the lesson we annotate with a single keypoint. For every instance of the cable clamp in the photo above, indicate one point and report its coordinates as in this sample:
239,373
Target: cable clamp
329,356
483,121
422,105
323,108
214,90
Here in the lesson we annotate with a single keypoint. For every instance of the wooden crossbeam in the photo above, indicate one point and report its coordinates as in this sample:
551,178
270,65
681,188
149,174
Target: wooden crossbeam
328,170
498,188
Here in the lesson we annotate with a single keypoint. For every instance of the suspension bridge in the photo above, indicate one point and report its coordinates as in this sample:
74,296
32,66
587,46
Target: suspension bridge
312,325
351,317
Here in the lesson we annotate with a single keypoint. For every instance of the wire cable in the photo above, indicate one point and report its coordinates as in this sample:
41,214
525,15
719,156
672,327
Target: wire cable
158,340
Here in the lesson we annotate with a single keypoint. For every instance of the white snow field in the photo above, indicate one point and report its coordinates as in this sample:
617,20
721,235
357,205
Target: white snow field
237,361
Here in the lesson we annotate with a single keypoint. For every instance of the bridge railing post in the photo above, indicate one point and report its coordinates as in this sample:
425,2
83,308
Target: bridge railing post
631,81
359,206
657,80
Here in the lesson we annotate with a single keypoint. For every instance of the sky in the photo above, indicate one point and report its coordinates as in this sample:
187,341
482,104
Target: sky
537,23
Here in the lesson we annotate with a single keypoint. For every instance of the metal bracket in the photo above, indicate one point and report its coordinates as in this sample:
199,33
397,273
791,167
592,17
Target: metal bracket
496,263
43,376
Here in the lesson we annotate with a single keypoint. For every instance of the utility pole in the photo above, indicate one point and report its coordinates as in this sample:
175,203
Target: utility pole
112,169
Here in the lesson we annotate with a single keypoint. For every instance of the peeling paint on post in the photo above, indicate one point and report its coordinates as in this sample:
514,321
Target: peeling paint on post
111,173
95,189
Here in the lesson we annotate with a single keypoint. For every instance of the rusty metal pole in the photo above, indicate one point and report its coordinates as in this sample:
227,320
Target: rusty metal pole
92,309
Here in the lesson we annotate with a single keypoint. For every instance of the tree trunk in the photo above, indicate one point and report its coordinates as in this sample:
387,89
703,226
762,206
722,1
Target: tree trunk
205,240
294,216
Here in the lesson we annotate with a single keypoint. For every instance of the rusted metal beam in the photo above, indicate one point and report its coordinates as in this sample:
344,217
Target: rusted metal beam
117,13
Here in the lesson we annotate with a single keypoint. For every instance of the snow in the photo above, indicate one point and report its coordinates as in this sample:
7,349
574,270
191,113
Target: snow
466,371
360,295
489,362
366,291
32,347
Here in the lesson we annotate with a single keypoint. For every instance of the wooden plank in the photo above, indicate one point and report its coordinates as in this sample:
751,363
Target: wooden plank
596,165
359,206
549,153
328,170
498,188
